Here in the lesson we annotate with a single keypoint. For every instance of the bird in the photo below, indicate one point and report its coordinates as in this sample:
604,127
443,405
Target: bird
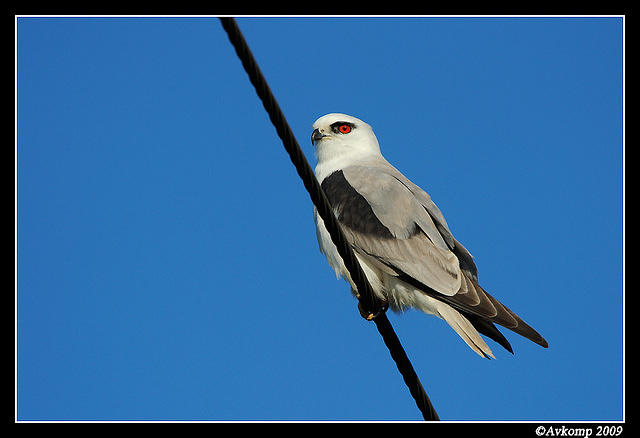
401,239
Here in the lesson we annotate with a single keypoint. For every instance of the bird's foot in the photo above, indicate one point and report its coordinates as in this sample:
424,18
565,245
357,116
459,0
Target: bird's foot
384,305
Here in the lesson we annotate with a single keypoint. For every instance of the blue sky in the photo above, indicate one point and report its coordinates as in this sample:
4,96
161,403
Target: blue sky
167,263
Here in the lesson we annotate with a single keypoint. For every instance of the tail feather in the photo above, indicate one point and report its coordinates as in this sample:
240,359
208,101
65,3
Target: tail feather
488,329
465,330
483,310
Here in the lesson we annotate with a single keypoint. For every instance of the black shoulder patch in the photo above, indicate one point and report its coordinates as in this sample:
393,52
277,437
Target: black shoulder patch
351,208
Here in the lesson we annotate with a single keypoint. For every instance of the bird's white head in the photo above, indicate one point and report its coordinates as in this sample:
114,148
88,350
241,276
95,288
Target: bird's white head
342,140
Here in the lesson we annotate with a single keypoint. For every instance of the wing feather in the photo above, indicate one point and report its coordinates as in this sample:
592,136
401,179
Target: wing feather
418,247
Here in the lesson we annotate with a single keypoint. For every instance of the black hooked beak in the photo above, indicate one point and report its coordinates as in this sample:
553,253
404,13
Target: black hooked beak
316,135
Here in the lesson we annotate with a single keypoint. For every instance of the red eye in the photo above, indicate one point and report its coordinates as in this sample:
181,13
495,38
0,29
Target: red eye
345,129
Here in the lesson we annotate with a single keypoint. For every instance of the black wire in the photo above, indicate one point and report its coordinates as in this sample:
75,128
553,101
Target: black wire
367,300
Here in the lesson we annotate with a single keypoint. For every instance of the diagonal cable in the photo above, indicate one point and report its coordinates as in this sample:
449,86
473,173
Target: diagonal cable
368,302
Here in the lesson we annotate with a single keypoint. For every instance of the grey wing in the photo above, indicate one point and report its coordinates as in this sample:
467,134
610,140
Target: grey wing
465,258
412,240
405,237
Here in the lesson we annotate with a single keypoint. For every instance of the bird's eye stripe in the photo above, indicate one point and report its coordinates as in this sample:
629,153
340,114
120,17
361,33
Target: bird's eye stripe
342,127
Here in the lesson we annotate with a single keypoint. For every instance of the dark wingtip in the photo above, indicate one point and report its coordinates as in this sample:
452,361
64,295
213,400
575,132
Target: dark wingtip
543,342
488,329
